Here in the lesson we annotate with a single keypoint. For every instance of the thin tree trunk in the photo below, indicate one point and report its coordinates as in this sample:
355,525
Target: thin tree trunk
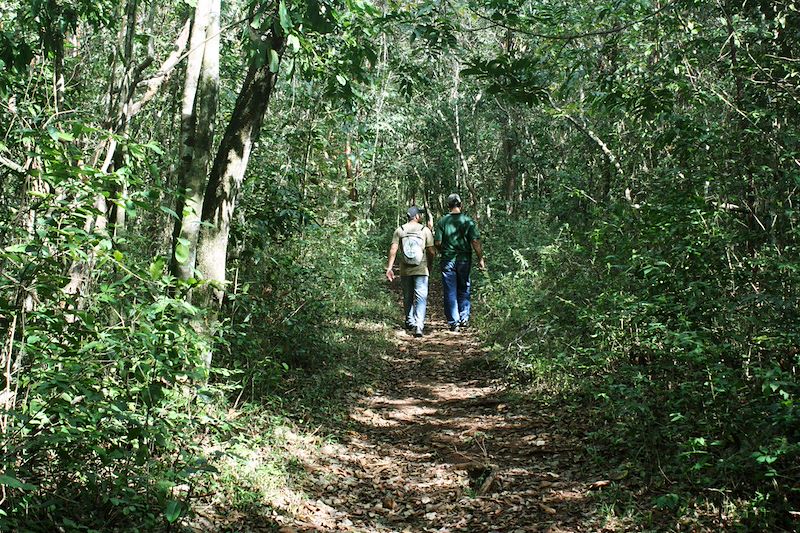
350,169
227,173
509,143
462,159
121,109
198,114
462,166
509,154
381,97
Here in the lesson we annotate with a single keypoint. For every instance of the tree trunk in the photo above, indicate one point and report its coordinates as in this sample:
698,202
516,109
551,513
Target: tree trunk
121,109
372,201
509,142
351,170
228,171
462,166
200,97
509,155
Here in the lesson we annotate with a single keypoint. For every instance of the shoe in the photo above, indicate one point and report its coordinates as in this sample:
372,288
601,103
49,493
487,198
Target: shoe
454,328
418,333
464,324
408,326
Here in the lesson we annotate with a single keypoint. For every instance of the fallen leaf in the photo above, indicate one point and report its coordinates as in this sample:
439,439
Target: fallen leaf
546,509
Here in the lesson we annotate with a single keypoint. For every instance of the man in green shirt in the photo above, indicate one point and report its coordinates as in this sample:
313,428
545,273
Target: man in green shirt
457,236
415,243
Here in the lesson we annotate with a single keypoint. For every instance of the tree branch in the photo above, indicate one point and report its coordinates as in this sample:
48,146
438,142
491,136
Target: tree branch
591,134
169,64
16,167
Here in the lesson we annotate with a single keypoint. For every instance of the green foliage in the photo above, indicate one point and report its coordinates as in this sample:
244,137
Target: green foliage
633,167
686,362
662,296
105,381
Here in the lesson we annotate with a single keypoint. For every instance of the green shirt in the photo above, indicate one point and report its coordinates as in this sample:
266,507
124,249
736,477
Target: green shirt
456,231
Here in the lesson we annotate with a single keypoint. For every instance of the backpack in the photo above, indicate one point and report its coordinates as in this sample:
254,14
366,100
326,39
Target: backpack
413,245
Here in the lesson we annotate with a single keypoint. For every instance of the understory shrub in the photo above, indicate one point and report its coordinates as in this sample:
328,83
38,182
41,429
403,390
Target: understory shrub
685,346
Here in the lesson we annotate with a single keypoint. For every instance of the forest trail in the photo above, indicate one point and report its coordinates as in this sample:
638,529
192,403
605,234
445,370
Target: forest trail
437,448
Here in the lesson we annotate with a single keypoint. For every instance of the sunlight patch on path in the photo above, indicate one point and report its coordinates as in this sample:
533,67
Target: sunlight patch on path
437,448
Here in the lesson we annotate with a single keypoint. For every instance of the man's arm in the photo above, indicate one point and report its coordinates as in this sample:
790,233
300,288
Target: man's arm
430,247
431,251
390,264
476,245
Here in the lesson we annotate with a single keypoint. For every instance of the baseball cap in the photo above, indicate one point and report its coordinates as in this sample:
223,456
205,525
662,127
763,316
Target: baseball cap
414,211
453,200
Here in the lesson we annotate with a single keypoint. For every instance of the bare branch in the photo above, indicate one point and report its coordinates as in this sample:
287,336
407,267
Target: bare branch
169,64
16,167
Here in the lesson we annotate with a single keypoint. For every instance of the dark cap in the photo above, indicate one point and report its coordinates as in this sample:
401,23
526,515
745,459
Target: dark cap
453,200
413,211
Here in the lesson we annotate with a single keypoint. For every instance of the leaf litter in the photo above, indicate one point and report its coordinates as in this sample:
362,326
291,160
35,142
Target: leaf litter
438,448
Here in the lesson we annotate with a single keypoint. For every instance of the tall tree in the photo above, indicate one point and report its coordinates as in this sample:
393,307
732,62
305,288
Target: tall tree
198,116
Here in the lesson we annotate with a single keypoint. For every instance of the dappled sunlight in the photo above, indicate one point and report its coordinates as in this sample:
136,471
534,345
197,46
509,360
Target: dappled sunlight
366,326
435,449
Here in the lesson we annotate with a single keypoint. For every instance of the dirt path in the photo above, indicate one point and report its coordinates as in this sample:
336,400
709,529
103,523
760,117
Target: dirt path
438,449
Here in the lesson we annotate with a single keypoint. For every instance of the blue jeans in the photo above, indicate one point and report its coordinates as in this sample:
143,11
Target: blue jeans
415,300
455,283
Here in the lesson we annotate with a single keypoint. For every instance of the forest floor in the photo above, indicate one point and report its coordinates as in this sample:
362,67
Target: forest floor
439,445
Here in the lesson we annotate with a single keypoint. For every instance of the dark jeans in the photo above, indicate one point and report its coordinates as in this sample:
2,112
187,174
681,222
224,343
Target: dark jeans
455,284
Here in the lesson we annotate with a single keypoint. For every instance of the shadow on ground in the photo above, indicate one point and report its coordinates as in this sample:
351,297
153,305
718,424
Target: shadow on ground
436,446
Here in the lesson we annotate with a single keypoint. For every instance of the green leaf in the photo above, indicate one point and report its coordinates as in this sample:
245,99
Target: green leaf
341,79
156,268
58,135
14,483
155,148
274,61
17,248
173,511
286,20
182,251
153,394
170,212
293,42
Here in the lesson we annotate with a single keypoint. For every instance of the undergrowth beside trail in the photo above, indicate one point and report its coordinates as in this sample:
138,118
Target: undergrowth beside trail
302,340
667,356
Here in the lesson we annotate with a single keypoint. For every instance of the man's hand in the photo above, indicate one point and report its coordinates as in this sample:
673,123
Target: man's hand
390,274
482,263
